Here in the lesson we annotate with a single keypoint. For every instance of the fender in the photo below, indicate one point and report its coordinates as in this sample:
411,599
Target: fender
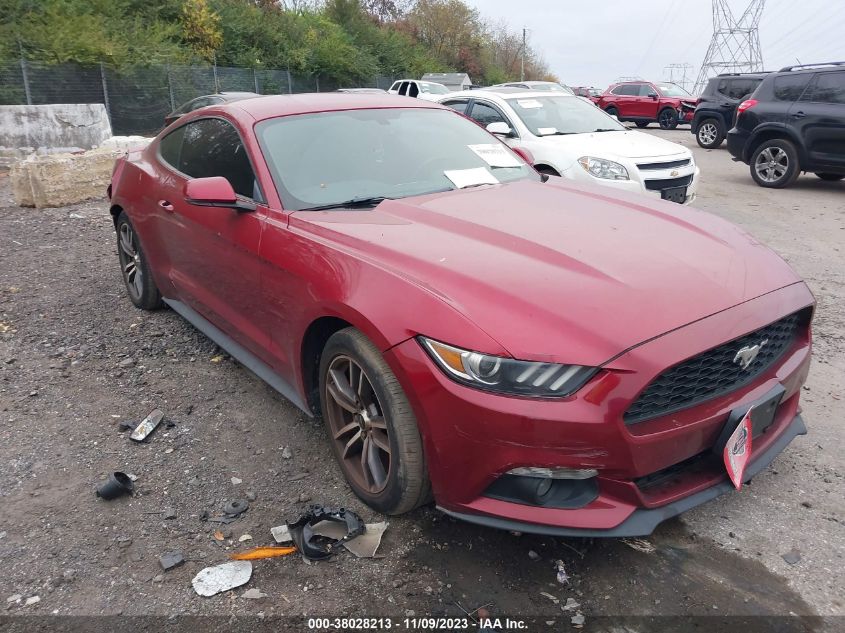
780,129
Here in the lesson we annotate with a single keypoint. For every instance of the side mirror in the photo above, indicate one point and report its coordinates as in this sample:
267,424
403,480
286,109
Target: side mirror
652,95
500,128
214,191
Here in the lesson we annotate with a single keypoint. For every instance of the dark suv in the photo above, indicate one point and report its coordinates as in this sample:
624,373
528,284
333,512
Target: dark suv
793,122
716,109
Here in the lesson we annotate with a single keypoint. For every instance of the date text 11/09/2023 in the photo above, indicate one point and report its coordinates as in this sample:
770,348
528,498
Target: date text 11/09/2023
416,624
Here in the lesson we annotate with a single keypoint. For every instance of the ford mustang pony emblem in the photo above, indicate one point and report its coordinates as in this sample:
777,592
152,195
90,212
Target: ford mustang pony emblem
747,354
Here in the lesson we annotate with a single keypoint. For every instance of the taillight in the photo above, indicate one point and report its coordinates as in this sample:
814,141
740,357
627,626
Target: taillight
745,105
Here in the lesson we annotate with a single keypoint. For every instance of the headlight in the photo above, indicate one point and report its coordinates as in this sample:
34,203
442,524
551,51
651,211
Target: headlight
506,375
601,168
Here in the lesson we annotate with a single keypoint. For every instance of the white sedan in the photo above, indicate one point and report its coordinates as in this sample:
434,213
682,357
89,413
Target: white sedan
570,138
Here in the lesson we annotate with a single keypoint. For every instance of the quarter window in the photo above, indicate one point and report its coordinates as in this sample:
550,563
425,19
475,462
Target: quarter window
486,114
212,147
790,87
459,104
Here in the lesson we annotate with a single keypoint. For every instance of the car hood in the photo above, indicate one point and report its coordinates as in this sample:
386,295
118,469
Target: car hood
559,272
629,144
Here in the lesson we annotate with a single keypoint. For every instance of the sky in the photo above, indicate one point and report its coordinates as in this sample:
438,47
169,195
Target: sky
594,42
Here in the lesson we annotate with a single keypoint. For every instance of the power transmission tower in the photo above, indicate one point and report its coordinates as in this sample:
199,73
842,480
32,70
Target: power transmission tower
735,46
678,74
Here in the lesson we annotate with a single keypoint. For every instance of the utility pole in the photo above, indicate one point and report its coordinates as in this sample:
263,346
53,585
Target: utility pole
522,63
735,46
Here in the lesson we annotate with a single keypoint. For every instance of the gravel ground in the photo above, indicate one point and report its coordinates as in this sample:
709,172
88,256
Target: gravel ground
76,360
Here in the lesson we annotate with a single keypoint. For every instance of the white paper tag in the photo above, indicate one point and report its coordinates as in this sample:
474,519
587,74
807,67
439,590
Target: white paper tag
495,155
466,177
545,131
529,104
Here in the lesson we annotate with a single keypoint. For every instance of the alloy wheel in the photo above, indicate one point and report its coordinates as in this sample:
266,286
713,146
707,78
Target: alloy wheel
130,261
707,133
772,164
357,424
666,119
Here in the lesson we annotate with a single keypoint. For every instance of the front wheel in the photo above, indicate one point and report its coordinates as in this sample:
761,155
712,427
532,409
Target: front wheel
668,119
774,164
642,124
831,177
612,111
137,277
710,134
371,426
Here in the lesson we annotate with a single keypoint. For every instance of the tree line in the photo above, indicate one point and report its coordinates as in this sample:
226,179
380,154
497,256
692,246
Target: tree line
345,40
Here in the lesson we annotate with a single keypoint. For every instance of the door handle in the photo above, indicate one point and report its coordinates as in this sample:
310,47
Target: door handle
164,204
798,115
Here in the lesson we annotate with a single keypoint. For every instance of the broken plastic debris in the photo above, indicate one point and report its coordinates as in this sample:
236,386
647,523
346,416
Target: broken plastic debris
257,553
217,358
562,576
213,580
253,594
171,560
281,534
550,597
236,507
366,545
245,537
147,425
316,546
236,481
639,544
116,485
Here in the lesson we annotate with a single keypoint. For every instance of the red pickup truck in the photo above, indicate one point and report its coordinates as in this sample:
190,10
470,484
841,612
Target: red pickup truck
644,102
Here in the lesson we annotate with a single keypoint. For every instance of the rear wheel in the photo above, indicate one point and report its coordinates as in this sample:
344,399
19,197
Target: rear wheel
710,133
668,119
612,111
774,164
133,264
642,124
371,426
831,177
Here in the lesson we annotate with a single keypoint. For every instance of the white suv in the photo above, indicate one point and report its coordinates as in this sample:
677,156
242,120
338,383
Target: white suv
570,138
428,90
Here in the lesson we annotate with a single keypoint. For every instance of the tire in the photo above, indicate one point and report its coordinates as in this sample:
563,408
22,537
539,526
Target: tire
774,164
710,133
643,124
384,418
612,111
831,177
137,277
548,171
667,118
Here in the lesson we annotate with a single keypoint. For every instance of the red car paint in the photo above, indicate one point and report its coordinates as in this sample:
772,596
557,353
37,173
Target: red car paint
534,271
642,107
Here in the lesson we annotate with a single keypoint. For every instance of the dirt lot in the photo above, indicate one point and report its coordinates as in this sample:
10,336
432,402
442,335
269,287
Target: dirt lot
76,359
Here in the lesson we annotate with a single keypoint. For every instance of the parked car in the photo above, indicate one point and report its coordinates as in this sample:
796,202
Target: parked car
207,100
533,354
545,86
428,90
378,91
716,109
793,122
590,93
568,136
644,102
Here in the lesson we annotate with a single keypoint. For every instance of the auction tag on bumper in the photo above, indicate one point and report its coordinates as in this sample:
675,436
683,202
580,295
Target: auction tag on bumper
738,450
495,155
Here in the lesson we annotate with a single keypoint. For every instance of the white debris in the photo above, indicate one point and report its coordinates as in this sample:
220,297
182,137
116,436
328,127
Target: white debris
639,544
236,481
281,534
253,594
32,600
245,537
213,580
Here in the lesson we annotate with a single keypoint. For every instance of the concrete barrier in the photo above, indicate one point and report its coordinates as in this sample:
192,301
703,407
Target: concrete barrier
57,180
46,129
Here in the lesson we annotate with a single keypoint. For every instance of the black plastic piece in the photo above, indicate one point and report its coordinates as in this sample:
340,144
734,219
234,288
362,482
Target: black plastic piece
117,484
315,547
526,490
235,507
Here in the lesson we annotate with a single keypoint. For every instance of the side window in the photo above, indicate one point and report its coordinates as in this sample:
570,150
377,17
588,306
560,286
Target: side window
738,88
403,88
413,89
171,146
618,90
486,114
212,147
790,87
395,85
457,104
830,88
647,89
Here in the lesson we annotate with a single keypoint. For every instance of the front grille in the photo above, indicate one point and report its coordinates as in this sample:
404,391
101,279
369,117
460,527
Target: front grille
714,373
666,183
669,165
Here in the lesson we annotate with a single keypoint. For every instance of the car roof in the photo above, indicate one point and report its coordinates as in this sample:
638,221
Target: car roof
273,106
506,94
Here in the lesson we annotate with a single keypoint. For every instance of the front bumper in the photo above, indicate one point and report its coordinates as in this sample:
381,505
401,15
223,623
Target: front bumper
638,182
472,438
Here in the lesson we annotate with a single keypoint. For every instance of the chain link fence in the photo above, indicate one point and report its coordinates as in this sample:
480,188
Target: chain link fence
137,99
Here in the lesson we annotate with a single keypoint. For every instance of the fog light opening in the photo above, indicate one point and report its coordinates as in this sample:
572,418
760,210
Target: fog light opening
554,473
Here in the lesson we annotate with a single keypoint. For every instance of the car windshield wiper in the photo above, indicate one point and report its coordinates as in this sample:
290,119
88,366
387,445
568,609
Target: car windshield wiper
354,203
605,129
558,133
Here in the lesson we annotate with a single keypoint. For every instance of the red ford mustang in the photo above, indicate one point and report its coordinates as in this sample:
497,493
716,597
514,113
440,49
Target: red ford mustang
533,354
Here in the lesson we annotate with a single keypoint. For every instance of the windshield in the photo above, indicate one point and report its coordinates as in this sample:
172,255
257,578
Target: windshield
671,90
435,89
332,157
546,116
551,87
